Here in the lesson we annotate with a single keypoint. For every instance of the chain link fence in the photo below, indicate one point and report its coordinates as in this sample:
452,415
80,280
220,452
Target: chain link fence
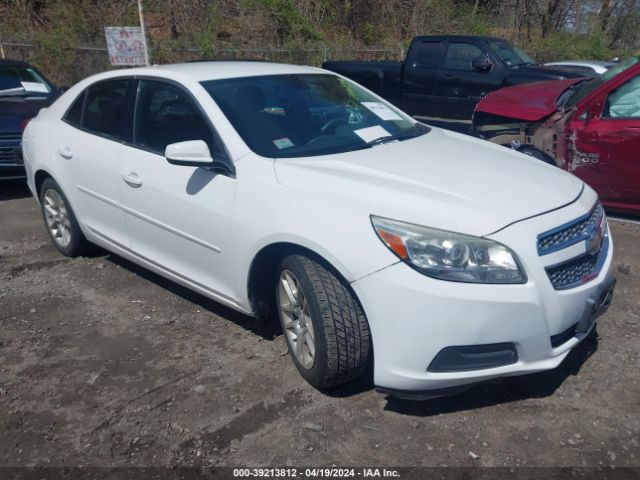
80,62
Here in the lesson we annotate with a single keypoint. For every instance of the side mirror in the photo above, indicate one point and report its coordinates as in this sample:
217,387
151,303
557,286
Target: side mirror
482,64
193,153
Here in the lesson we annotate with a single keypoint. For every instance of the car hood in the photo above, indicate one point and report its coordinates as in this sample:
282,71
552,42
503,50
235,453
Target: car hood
531,101
14,110
546,72
442,179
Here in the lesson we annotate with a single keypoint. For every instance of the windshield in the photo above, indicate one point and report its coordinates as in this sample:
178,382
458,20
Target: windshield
509,54
16,80
302,115
580,90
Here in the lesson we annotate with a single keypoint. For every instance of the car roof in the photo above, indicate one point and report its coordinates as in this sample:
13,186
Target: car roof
217,70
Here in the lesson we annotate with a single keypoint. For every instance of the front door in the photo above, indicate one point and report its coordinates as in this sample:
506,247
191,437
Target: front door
179,217
461,86
607,148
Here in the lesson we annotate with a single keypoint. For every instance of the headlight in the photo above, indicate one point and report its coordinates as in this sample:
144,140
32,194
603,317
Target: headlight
449,256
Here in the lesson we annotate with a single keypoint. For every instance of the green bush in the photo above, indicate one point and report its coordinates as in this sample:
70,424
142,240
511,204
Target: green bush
573,46
288,21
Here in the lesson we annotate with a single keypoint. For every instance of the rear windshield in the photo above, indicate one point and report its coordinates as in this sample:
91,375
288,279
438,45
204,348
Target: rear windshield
16,80
302,115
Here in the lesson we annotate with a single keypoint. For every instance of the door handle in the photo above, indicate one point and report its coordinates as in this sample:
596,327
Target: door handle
66,153
131,178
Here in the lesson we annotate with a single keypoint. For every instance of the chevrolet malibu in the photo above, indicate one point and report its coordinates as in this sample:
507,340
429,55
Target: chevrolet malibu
439,259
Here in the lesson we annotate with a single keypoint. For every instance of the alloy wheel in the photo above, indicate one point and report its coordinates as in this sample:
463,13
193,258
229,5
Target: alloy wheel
296,319
57,218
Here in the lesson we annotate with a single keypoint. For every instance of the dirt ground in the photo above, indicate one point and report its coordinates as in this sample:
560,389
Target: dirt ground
105,364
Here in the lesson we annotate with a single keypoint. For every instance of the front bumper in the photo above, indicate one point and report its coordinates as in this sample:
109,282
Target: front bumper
414,317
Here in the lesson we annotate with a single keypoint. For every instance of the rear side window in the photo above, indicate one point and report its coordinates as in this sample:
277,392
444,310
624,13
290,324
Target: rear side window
166,114
104,108
427,54
74,114
460,56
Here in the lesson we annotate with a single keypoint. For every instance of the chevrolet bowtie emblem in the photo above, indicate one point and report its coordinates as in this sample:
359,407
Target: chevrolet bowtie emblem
594,242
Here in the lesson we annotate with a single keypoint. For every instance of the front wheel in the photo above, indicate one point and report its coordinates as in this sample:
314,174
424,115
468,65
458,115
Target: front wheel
326,330
60,220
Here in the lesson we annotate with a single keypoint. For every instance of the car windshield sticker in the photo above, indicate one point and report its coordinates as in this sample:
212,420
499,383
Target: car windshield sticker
283,143
34,87
382,111
370,134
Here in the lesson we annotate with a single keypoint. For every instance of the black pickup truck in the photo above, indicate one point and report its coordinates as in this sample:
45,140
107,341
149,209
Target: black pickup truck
445,76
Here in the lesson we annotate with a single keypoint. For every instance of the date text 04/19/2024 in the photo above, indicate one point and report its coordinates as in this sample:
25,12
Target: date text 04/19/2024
292,472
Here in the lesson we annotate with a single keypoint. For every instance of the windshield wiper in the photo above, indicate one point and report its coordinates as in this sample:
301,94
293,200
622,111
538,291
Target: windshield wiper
390,138
381,140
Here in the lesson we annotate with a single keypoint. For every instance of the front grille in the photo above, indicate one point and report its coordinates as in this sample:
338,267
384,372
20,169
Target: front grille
578,270
11,136
12,155
570,234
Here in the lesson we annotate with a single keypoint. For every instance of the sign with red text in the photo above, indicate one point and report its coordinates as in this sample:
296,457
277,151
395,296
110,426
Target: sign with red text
126,45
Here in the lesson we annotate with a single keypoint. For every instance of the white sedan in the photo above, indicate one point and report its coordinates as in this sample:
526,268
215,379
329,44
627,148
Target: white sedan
587,67
292,192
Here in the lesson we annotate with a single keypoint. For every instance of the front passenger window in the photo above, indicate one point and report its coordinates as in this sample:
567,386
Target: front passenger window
165,114
624,102
460,56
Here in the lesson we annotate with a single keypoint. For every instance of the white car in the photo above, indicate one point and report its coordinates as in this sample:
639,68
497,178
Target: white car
588,67
290,191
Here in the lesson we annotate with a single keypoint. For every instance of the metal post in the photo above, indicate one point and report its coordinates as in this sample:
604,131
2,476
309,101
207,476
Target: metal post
144,35
2,50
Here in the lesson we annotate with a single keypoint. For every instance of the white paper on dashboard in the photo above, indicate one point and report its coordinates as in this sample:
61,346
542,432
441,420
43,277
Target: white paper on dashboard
370,134
34,87
382,111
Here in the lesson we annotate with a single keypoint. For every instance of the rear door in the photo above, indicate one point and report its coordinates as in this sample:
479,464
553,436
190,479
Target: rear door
90,145
460,87
179,217
419,77
606,153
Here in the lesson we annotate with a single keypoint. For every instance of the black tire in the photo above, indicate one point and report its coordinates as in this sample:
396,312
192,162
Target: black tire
342,338
78,244
535,153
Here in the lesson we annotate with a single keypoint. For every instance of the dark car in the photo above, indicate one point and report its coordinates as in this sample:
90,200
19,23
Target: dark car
445,76
23,92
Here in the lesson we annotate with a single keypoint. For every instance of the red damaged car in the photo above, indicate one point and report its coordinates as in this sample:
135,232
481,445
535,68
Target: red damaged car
590,127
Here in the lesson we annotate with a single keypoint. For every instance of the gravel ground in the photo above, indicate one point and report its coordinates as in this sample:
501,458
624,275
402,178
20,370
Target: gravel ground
105,364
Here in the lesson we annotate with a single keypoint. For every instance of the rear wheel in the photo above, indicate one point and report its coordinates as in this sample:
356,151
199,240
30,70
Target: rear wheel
60,220
325,328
